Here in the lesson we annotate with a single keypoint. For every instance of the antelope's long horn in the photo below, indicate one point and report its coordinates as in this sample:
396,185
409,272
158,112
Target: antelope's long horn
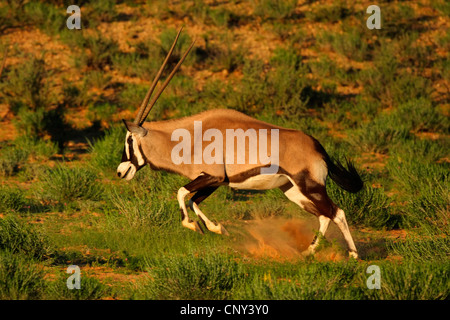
139,119
164,85
146,106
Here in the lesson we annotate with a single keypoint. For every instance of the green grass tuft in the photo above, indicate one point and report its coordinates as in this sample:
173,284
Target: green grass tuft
64,184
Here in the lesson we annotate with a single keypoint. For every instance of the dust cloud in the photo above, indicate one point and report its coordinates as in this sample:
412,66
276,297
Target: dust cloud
278,238
284,239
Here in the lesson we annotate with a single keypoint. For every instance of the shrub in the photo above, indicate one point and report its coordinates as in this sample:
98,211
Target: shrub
413,281
74,96
27,91
390,84
98,51
425,149
143,62
274,9
90,289
352,44
392,130
424,186
224,57
107,151
100,11
379,135
46,16
36,148
14,157
285,87
64,184
302,281
11,160
370,207
20,278
420,115
11,199
16,236
200,11
142,205
40,122
193,277
27,86
338,11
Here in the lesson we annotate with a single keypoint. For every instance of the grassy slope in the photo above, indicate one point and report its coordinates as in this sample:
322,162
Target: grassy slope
379,97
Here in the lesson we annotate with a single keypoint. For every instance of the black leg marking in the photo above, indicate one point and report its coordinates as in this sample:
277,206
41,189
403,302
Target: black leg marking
203,194
199,196
201,182
205,185
314,240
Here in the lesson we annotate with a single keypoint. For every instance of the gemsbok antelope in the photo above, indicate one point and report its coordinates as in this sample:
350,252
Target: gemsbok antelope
300,167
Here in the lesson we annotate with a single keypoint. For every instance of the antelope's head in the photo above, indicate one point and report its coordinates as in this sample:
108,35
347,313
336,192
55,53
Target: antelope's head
133,158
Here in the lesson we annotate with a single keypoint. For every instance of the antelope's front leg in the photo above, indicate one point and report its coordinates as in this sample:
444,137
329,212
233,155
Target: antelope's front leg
198,197
211,226
185,221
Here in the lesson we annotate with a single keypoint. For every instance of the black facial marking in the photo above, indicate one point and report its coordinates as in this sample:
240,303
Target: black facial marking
130,147
124,156
132,158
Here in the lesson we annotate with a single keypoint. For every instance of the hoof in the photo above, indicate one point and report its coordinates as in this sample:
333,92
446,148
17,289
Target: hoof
353,255
193,225
308,252
217,228
197,227
223,230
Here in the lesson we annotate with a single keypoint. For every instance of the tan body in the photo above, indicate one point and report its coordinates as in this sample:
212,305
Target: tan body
157,145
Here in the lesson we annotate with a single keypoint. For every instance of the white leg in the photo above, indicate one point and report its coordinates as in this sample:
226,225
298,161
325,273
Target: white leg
294,194
341,222
186,222
217,228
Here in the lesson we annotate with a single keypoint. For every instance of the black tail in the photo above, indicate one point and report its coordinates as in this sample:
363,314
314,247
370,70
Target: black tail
347,179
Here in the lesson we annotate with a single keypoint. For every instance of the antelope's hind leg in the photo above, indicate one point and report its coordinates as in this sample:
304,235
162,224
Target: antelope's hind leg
294,194
313,198
341,222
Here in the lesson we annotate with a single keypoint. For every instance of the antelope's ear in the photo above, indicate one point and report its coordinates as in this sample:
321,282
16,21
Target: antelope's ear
134,128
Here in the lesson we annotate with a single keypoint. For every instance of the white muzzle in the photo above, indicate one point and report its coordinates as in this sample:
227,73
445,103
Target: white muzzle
126,170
